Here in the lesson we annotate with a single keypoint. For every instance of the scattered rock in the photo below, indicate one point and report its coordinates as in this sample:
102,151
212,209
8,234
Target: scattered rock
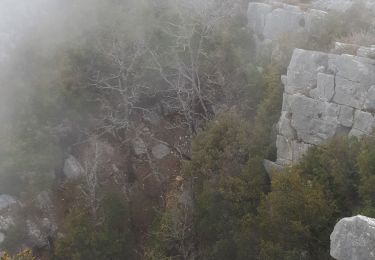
72,168
159,151
367,52
354,239
6,222
43,201
139,146
345,48
6,201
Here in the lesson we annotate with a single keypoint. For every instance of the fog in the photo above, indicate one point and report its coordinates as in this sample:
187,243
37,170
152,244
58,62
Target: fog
170,129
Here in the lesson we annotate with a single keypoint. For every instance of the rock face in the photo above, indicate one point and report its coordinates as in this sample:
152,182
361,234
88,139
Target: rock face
354,239
325,95
270,22
341,5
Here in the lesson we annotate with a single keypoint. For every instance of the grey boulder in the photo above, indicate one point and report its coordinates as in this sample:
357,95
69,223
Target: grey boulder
354,239
72,168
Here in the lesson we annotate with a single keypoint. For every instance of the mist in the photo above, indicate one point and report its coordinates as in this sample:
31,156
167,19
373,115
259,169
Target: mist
185,129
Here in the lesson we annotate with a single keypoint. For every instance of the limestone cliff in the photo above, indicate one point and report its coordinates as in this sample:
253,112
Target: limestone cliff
325,95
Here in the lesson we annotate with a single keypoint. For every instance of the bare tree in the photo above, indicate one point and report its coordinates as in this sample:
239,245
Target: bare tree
190,75
90,185
118,85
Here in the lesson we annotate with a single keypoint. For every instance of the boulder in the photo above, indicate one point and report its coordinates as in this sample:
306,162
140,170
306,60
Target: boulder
353,239
159,151
272,167
139,146
345,48
367,52
43,201
6,221
7,201
72,168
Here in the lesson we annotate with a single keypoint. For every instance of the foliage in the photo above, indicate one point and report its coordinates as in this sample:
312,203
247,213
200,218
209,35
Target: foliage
335,167
107,238
294,217
23,255
227,184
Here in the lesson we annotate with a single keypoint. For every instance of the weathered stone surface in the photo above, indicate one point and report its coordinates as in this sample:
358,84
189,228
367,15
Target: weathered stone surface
367,52
284,80
139,146
349,93
302,70
72,168
313,120
325,95
354,239
370,100
325,87
6,201
5,222
282,21
346,116
273,22
256,14
356,69
159,151
315,22
363,121
345,48
284,150
285,127
334,5
272,167
299,149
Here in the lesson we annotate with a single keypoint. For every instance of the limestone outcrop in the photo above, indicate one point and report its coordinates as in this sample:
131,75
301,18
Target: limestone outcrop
272,21
354,239
325,95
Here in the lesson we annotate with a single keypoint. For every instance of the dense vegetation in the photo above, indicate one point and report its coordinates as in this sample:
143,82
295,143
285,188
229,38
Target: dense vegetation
196,65
240,214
